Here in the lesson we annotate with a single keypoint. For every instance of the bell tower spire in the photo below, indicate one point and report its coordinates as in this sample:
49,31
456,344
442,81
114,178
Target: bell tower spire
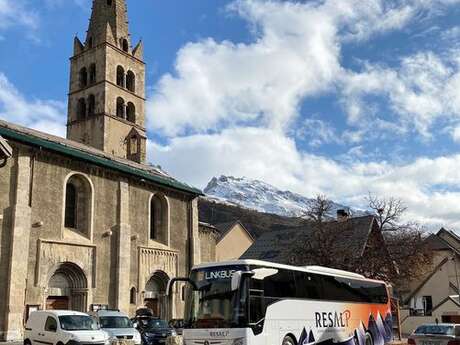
107,85
108,18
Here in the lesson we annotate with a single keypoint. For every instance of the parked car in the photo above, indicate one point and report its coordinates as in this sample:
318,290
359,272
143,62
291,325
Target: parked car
154,331
178,325
436,334
117,325
63,327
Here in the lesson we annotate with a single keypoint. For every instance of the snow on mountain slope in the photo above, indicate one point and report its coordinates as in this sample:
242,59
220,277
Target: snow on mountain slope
261,196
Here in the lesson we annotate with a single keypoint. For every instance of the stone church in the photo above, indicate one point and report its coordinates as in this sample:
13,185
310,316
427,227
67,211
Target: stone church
84,220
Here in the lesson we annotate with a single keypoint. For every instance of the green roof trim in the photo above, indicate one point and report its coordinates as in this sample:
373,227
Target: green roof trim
101,161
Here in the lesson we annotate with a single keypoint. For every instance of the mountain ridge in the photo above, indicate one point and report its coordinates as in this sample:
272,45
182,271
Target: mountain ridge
262,197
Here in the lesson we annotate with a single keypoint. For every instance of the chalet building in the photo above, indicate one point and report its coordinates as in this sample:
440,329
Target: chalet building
434,297
85,220
224,242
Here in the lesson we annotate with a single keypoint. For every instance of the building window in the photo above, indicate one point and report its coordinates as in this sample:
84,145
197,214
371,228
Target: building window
133,296
92,73
159,219
131,81
83,77
427,305
78,199
125,45
70,206
90,42
120,107
109,2
133,145
131,112
120,76
81,109
91,105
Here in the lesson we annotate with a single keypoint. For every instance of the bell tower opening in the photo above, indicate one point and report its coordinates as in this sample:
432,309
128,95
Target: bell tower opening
107,85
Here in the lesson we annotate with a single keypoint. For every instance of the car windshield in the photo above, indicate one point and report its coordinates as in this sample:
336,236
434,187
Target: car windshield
435,329
115,322
77,323
211,303
153,324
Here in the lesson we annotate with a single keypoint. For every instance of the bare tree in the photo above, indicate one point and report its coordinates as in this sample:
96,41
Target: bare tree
387,212
318,208
408,250
317,246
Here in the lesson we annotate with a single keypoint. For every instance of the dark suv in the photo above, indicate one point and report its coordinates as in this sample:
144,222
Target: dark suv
154,331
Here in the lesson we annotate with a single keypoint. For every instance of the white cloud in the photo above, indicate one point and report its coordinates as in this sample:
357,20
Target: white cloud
423,89
45,115
296,53
17,13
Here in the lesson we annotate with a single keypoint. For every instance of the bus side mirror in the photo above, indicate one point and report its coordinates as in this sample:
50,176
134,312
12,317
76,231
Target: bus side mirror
237,277
176,280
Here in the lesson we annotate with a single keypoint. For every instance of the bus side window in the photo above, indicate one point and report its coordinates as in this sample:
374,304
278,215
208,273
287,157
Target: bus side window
308,286
280,285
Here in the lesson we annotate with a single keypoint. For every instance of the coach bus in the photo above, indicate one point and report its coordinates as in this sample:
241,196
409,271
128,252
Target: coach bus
250,302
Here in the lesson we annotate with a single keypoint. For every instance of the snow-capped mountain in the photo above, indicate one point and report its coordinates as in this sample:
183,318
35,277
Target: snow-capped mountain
262,197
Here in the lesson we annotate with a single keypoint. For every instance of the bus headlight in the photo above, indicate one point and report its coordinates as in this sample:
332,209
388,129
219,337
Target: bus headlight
238,341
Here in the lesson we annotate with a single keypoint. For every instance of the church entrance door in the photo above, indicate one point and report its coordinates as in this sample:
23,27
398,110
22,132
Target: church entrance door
155,295
153,305
67,288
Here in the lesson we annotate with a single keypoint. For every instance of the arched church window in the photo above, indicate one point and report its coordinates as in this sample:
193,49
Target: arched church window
120,107
120,76
70,206
83,77
131,112
159,226
131,81
91,105
81,109
92,73
77,209
125,45
90,43
133,296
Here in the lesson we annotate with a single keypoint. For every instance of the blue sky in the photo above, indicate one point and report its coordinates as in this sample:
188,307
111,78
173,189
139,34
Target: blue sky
341,97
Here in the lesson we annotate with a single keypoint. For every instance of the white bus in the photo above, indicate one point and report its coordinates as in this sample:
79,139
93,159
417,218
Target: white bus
250,302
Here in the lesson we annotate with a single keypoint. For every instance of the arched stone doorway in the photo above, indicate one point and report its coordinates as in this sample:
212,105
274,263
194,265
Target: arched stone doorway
155,296
67,288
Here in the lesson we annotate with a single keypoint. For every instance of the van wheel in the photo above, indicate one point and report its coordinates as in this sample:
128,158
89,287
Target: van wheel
27,342
288,341
369,340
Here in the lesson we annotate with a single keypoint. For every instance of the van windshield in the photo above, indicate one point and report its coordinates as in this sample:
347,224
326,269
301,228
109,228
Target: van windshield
77,323
115,322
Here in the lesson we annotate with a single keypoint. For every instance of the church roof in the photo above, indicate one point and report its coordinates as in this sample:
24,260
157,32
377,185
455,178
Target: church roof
91,155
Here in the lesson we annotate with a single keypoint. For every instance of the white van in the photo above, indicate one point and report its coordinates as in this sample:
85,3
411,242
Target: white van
63,327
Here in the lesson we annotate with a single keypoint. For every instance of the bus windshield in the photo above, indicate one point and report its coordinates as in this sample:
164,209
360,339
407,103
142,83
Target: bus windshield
212,303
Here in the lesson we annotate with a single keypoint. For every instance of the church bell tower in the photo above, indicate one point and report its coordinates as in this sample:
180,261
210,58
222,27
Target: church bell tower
107,86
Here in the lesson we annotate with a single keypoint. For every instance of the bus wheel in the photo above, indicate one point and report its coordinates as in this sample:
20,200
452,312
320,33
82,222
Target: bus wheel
369,340
289,341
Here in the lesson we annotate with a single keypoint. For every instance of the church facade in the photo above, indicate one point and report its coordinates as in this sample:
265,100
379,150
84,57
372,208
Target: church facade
84,220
